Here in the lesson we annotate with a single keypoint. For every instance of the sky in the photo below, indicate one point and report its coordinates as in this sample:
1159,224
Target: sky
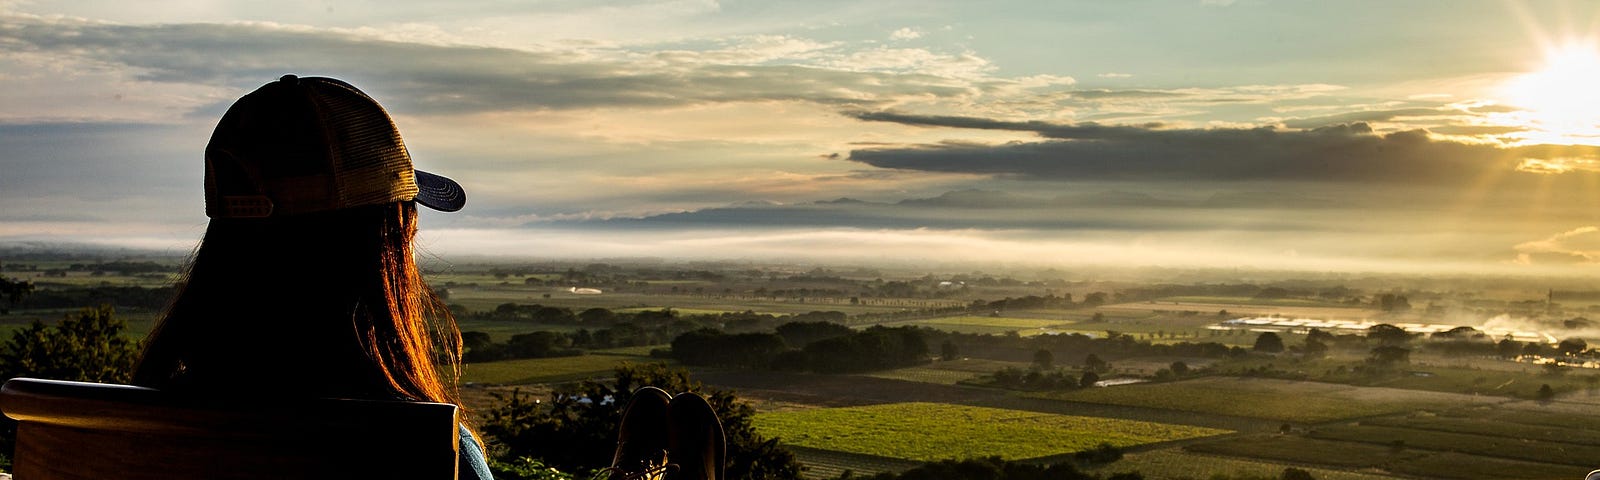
1358,136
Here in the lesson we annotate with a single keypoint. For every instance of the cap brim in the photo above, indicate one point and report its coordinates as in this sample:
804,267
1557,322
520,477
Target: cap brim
439,193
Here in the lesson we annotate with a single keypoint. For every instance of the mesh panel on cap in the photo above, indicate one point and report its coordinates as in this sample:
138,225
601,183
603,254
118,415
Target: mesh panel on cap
371,161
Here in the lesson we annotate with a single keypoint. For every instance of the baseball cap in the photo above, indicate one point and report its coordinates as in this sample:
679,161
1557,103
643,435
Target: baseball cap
312,144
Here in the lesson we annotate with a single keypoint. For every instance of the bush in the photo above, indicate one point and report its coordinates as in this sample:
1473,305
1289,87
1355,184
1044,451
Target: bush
575,430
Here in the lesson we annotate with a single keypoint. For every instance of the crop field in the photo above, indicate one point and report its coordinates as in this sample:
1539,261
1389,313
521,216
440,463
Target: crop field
139,321
502,330
1271,302
1291,401
558,369
948,372
1177,463
481,298
1239,309
1404,460
1478,445
934,431
681,311
990,325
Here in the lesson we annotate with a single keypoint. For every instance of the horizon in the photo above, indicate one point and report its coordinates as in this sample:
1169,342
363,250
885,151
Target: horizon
1207,134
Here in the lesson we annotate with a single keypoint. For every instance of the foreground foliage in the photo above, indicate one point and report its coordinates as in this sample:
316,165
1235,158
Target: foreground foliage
575,429
994,468
89,347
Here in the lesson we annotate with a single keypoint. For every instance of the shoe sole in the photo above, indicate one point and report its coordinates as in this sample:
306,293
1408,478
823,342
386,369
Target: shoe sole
644,428
695,428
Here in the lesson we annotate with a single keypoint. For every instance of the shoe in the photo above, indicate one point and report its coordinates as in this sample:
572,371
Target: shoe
695,440
642,438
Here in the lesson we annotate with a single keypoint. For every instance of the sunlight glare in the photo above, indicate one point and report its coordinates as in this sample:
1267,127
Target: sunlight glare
1563,98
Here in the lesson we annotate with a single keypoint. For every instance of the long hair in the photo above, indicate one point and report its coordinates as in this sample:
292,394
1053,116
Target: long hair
327,304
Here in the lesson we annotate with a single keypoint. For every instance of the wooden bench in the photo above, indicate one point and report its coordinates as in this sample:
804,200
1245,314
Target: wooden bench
75,430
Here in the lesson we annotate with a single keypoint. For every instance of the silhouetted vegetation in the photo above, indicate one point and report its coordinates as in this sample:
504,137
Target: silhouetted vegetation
994,468
575,428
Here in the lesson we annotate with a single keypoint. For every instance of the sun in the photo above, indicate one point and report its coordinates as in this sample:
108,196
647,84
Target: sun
1561,101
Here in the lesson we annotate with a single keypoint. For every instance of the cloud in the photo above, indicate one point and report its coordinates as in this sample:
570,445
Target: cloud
991,210
452,78
906,33
1365,117
1087,151
1115,75
1579,245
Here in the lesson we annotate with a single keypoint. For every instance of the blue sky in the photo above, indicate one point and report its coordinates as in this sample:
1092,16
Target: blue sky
1353,136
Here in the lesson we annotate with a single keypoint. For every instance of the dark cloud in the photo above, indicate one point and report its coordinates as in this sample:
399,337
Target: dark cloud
1342,153
1476,129
1102,210
447,78
1365,117
98,160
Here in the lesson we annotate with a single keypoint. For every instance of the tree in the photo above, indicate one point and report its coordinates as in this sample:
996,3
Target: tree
1088,379
1272,293
1572,346
1094,299
1268,342
574,430
1386,355
1179,368
1387,334
1043,359
1101,454
1292,473
949,351
1314,348
88,347
1508,348
1093,363
800,334
1545,394
14,291
597,316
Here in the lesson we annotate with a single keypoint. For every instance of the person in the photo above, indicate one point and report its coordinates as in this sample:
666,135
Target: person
305,283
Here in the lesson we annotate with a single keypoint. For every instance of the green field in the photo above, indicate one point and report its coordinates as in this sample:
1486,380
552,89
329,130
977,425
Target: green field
1177,463
1276,302
1291,401
487,297
947,372
681,311
1478,445
991,325
934,431
1371,457
598,363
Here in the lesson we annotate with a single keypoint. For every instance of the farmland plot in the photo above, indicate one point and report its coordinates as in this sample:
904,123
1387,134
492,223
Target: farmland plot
1285,400
931,431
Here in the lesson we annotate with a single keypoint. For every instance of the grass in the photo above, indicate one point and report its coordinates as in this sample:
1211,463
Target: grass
947,372
1470,444
681,311
1295,449
1176,463
933,431
1363,456
985,325
1276,302
1499,428
1290,401
559,369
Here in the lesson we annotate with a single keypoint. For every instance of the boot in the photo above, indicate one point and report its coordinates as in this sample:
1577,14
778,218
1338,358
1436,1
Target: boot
642,438
695,440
